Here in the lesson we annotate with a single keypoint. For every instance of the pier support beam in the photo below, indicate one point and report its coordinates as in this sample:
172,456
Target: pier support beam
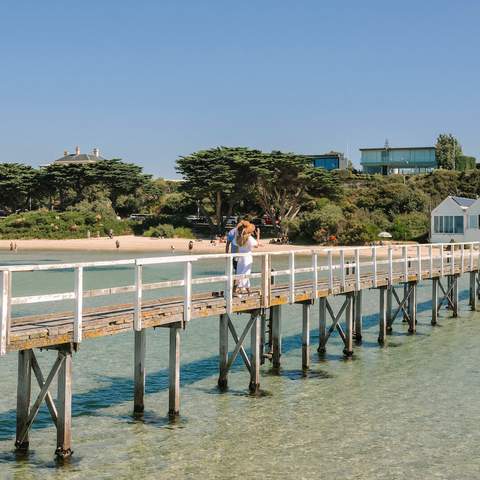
254,385
473,291
174,372
322,324
223,352
358,316
306,335
64,405
382,316
407,303
389,309
434,301
24,388
348,350
455,295
276,336
412,308
139,373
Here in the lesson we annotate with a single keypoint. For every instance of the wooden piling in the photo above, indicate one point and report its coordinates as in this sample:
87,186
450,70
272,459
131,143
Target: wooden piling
276,336
434,301
389,307
358,316
223,352
455,295
473,291
382,316
24,389
254,385
306,336
139,372
348,350
407,304
64,405
174,372
322,324
412,308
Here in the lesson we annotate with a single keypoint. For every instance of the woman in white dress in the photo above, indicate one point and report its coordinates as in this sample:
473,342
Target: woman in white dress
245,243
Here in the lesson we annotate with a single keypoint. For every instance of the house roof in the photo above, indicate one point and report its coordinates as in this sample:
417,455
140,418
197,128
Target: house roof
396,148
463,201
80,158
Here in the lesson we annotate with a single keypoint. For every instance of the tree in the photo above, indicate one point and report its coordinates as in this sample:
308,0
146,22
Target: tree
284,182
16,185
447,151
218,179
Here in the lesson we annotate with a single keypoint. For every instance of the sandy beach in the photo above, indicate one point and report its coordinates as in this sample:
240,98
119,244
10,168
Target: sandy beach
131,243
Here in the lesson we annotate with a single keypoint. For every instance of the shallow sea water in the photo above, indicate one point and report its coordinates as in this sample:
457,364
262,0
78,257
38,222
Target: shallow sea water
408,410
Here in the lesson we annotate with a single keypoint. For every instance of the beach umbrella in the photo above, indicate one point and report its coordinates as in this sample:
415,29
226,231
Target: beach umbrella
385,235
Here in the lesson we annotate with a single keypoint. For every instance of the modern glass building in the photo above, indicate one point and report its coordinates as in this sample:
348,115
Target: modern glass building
329,161
406,160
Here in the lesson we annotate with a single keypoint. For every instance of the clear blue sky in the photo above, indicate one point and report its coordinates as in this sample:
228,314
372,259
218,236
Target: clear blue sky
148,81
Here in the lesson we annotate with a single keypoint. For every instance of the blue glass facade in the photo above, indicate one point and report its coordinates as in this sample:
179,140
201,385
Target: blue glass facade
327,162
398,160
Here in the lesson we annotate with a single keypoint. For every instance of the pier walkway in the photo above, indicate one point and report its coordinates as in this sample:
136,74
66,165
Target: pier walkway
311,276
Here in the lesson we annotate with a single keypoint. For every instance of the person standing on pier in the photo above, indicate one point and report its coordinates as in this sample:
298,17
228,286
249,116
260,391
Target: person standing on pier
244,243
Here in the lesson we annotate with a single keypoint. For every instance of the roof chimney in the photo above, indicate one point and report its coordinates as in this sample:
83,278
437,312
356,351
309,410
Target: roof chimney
96,152
77,150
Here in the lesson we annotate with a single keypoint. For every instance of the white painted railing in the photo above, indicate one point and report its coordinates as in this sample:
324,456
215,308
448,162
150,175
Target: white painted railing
341,264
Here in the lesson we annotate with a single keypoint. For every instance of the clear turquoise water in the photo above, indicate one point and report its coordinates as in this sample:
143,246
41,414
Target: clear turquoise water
408,410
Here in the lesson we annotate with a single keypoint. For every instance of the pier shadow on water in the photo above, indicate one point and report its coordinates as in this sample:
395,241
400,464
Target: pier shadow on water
120,389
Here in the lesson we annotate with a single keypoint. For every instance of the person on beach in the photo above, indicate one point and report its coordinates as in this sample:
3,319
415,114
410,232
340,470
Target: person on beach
117,244
244,243
190,245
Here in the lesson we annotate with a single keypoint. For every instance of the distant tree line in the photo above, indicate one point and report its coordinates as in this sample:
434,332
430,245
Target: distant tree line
60,187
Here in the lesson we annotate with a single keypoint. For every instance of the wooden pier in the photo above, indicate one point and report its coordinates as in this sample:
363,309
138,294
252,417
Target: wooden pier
394,271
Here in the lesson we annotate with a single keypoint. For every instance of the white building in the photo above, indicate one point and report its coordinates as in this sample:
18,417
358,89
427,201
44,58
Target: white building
457,219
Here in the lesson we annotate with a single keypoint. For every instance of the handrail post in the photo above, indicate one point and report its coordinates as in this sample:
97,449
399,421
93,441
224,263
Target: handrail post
315,274
441,260
78,325
462,258
405,263
342,268
471,256
374,265
330,271
292,277
265,280
452,256
357,269
229,285
430,255
419,263
187,305
5,295
137,319
390,265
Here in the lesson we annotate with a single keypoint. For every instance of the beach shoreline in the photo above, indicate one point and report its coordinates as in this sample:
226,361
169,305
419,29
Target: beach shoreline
134,244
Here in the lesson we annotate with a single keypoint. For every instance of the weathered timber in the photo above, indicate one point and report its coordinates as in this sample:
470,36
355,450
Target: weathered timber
254,384
276,336
139,372
174,372
64,398
223,352
306,310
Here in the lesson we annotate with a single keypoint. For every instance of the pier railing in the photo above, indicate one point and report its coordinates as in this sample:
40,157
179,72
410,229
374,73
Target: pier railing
333,266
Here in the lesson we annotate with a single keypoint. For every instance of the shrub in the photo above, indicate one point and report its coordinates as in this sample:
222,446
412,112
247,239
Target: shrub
168,231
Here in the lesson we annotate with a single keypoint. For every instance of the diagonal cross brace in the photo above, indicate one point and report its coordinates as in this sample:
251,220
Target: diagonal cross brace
41,397
447,295
335,321
239,344
401,305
